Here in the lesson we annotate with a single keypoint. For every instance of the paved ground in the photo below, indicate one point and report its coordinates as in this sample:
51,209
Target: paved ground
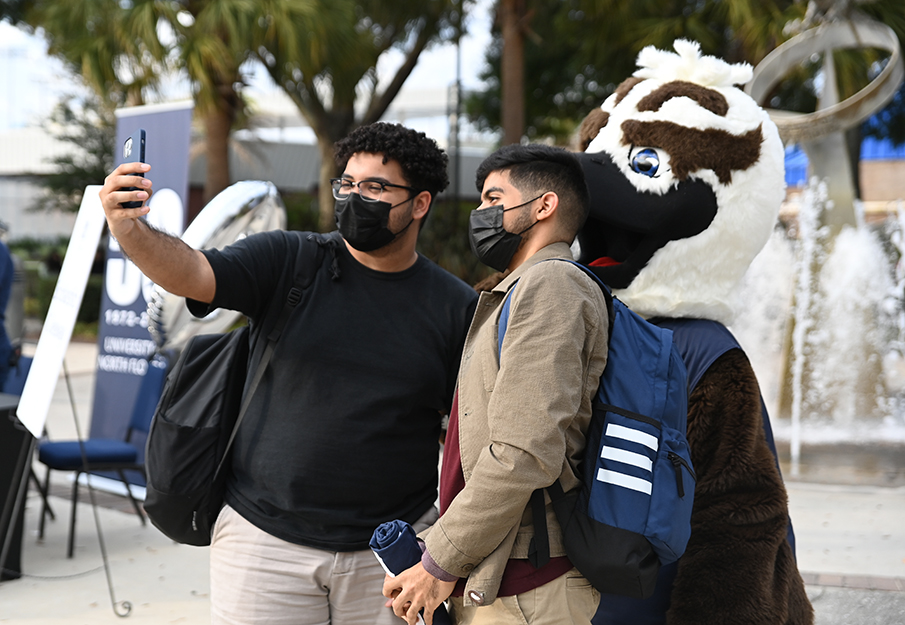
163,581
850,532
851,551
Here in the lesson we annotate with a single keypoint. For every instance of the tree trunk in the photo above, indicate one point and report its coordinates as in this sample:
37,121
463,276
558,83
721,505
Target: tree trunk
326,221
513,71
217,126
331,127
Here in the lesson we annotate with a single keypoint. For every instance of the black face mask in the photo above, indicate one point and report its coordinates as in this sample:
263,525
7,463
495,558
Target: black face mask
364,224
491,243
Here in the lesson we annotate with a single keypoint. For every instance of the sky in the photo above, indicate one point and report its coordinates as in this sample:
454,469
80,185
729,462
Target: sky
31,83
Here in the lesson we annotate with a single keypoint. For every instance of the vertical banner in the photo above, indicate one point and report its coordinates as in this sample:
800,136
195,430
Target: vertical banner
124,343
60,320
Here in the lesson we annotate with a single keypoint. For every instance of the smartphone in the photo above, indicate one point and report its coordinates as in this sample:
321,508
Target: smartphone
134,152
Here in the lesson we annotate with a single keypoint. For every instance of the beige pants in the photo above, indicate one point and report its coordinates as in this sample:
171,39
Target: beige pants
567,600
257,579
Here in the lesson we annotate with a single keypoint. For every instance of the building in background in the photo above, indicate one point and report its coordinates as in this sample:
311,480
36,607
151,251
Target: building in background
24,157
881,172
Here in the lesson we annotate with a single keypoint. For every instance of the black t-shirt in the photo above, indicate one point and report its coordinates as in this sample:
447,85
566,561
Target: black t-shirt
342,433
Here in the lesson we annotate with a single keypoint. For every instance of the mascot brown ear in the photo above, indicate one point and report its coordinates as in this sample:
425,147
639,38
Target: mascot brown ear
590,126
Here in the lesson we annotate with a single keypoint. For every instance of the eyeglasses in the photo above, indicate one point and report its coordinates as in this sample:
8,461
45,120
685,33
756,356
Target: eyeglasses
369,190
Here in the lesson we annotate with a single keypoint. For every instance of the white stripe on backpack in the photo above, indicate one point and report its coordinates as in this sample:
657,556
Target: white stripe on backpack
626,481
627,457
628,434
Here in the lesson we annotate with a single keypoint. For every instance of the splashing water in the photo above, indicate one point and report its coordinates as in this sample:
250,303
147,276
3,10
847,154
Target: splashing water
825,317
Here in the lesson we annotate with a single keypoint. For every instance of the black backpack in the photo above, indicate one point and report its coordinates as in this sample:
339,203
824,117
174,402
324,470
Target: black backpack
197,418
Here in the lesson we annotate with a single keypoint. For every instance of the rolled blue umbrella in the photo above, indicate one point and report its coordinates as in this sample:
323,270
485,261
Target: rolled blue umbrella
396,547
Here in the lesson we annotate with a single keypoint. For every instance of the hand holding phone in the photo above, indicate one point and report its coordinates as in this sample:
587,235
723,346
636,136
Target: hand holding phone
134,152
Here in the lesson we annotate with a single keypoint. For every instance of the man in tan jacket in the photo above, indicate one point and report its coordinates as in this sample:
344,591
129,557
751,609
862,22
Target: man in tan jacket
522,408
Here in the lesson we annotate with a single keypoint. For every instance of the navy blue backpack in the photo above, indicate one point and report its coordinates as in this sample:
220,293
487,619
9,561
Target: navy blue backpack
633,510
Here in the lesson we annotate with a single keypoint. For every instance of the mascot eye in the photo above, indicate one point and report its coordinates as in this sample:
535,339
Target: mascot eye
646,162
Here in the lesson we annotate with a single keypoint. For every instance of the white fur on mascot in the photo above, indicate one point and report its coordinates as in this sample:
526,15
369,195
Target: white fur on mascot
686,178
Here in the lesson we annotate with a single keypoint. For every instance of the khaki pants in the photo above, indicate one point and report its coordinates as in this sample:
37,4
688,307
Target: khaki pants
567,600
257,579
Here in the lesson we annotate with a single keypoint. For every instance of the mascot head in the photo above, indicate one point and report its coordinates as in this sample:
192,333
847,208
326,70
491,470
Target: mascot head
686,178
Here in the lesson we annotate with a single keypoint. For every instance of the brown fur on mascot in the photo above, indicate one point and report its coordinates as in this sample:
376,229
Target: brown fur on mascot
686,179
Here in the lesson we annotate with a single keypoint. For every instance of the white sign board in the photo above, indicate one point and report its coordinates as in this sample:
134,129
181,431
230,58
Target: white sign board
61,316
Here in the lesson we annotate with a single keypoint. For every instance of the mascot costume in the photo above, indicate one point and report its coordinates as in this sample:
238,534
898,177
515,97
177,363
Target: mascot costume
686,179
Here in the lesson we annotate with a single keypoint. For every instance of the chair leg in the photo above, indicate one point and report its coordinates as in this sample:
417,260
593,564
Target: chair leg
44,506
75,503
138,511
43,492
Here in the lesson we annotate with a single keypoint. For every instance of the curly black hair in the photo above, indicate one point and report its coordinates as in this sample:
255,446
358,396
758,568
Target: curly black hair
423,162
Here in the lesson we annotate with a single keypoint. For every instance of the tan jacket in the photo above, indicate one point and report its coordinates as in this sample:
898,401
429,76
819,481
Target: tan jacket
522,415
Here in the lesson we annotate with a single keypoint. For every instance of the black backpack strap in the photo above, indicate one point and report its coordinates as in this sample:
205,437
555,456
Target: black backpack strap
539,547
303,279
331,243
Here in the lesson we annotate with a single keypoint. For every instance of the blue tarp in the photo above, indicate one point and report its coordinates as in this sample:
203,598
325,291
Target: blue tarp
796,167
871,150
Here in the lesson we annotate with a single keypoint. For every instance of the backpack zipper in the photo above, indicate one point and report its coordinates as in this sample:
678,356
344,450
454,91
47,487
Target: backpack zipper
678,462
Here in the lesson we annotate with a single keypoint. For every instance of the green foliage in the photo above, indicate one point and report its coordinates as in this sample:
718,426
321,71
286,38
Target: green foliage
42,259
89,311
889,12
301,211
103,41
890,122
578,51
91,129
737,30
323,52
13,10
444,240
559,89
85,331
213,38
333,79
33,248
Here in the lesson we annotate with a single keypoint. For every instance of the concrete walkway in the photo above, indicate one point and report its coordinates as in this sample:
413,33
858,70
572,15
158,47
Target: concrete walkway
165,582
851,549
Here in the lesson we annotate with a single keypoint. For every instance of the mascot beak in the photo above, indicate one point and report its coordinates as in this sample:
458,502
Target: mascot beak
626,225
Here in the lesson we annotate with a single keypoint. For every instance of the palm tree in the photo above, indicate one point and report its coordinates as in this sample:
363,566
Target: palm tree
511,15
335,84
108,46
578,52
123,49
211,39
215,38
